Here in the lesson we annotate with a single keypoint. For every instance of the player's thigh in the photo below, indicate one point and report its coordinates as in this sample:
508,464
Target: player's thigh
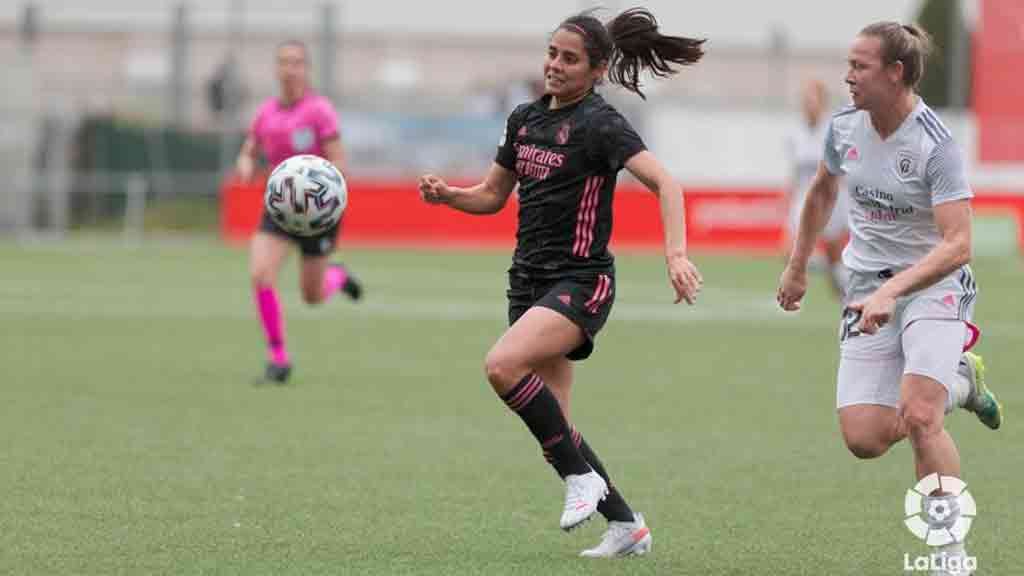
870,365
267,253
932,350
538,336
868,429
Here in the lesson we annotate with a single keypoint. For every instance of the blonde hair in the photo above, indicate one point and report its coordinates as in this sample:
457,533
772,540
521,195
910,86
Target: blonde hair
908,44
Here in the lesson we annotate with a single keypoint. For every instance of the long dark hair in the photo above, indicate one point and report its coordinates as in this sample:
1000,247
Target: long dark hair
631,43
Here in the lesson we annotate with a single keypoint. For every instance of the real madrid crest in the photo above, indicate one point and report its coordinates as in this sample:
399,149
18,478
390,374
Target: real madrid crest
906,165
562,137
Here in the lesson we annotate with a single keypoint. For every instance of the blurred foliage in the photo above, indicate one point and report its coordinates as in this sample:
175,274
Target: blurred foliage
181,168
939,17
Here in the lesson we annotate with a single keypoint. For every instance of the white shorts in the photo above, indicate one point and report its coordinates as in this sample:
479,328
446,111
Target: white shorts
928,332
837,226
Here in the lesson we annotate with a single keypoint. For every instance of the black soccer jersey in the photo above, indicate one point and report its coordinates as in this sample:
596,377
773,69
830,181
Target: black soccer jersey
566,161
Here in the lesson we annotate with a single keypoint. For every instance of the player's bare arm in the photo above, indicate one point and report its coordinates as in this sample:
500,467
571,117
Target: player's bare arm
335,153
246,162
686,279
486,197
821,199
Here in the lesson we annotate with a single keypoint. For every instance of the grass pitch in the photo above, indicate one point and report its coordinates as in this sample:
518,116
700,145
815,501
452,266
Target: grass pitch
133,441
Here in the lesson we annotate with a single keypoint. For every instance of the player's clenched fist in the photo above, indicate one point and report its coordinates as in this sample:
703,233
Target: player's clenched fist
433,190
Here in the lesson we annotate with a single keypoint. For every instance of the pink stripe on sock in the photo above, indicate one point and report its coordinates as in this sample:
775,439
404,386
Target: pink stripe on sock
334,278
552,441
527,393
273,323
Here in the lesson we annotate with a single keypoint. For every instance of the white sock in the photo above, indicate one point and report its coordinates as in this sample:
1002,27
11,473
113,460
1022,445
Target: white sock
963,387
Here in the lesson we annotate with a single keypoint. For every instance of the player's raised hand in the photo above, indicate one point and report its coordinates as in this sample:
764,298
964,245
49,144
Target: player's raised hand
433,190
686,279
792,287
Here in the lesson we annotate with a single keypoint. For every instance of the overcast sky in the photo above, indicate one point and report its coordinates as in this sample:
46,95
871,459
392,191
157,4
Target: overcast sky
808,23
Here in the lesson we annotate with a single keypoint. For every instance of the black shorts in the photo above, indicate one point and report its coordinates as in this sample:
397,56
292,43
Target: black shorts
585,300
319,245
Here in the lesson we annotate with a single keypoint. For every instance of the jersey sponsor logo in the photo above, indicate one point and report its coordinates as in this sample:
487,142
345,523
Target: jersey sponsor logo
562,136
536,162
302,139
906,164
879,205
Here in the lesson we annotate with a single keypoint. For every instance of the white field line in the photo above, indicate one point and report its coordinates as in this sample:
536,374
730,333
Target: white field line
735,311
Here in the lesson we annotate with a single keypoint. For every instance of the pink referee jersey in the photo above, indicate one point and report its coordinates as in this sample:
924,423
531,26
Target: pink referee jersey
301,128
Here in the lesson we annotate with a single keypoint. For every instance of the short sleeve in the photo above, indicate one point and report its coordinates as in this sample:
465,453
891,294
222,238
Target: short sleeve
612,141
506,156
327,121
833,163
945,174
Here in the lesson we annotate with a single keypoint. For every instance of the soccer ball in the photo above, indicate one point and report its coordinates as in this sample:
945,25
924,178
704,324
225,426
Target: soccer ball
305,195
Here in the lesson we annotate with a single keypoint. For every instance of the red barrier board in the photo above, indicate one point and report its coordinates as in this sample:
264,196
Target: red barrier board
998,87
391,212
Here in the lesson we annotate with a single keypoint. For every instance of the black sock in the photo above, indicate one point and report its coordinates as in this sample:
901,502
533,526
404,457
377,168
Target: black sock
614,506
539,409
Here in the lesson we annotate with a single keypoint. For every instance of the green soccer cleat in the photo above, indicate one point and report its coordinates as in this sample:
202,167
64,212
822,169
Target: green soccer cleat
982,401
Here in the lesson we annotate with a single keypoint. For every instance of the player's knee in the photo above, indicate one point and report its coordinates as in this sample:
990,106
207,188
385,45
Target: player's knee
866,447
262,276
501,370
312,295
922,418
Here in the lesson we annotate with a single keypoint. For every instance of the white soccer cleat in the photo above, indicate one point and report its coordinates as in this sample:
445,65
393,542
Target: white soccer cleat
582,494
623,539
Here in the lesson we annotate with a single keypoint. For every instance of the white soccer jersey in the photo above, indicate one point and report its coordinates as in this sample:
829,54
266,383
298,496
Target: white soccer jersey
803,146
893,184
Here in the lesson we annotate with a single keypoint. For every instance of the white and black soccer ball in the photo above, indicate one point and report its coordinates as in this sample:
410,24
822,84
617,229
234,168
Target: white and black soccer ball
305,195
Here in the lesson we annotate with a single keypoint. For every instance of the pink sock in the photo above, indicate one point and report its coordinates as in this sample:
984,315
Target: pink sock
273,323
334,278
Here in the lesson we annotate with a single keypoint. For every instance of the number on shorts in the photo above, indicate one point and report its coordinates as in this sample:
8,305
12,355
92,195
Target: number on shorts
849,328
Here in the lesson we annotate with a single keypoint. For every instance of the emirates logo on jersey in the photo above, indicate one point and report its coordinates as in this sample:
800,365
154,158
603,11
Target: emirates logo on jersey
562,136
536,162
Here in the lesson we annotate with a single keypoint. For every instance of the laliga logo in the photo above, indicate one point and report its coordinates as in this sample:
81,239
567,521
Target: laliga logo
939,520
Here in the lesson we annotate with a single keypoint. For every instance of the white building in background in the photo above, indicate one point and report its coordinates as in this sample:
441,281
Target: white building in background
719,123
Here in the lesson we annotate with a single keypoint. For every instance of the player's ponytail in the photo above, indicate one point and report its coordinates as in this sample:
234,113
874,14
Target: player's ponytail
639,46
631,43
908,44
